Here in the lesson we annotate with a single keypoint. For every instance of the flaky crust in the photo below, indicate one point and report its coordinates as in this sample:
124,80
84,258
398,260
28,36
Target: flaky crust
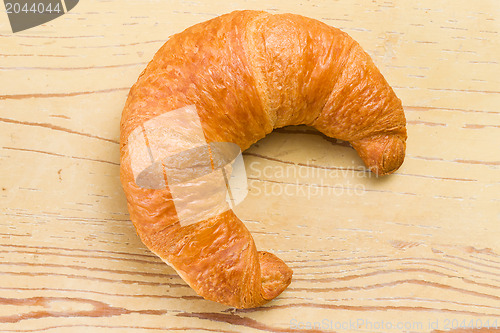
247,73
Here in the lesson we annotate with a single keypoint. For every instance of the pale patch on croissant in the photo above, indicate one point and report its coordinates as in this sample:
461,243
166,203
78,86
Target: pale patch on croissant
170,152
247,73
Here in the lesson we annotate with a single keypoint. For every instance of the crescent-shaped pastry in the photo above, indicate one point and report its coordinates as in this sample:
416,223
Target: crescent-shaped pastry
215,89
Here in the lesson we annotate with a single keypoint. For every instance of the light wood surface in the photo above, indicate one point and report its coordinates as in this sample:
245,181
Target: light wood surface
416,251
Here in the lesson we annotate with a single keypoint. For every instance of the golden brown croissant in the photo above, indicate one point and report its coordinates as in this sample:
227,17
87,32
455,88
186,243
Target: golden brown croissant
244,74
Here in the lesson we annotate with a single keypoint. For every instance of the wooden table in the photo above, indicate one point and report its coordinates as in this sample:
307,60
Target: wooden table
417,251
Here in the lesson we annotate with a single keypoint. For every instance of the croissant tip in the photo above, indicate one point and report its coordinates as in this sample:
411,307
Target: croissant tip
383,154
276,275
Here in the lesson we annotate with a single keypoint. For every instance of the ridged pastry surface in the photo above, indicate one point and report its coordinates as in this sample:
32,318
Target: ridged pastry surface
247,73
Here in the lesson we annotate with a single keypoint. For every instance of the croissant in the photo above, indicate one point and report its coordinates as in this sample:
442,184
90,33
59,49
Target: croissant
234,79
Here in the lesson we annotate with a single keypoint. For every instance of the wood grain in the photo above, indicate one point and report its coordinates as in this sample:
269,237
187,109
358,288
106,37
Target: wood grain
416,251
